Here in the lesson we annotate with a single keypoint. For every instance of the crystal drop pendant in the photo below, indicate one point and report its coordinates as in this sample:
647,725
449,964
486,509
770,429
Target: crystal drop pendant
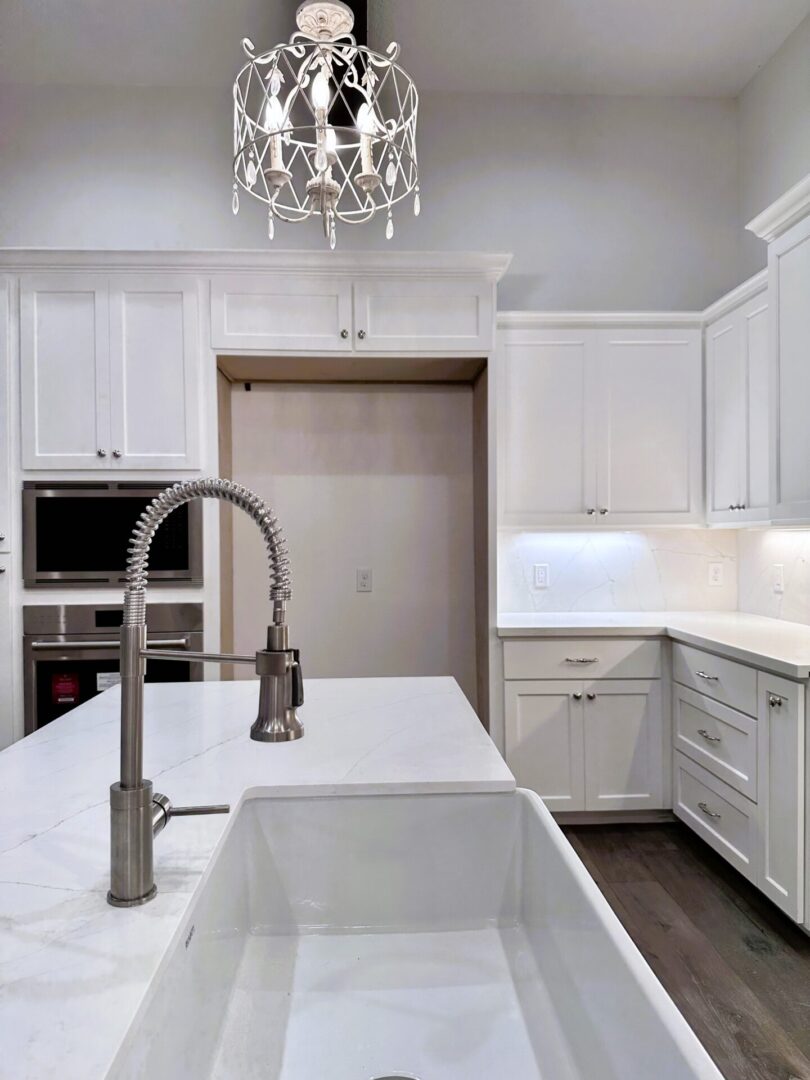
320,160
235,201
391,173
251,173
417,206
332,237
271,225
389,229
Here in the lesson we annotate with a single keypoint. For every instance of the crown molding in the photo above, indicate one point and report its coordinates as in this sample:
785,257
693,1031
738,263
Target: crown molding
737,297
422,264
575,320
780,215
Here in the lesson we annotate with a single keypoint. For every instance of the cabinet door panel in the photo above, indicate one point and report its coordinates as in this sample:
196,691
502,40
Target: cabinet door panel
5,416
725,416
155,373
281,314
756,343
64,372
781,792
546,430
402,316
650,427
7,656
789,275
544,747
624,743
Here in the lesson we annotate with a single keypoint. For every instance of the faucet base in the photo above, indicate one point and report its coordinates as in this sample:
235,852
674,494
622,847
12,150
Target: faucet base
132,903
291,729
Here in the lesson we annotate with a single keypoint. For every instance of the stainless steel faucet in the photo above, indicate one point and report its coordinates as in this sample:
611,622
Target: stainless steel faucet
137,813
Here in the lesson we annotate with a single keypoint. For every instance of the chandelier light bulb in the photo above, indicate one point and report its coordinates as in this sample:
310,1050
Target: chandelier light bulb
274,115
321,94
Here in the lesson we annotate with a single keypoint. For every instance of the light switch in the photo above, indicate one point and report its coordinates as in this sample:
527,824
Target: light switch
363,579
542,577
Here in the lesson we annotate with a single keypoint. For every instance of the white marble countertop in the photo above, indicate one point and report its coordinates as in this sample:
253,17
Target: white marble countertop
72,969
774,644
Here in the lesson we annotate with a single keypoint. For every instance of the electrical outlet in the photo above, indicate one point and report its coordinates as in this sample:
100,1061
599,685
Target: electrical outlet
542,576
778,578
363,579
715,574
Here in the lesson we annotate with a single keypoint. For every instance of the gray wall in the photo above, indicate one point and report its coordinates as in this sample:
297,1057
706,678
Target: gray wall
774,136
605,202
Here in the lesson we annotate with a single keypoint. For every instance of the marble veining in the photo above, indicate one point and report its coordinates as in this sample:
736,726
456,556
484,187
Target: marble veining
759,551
73,970
655,570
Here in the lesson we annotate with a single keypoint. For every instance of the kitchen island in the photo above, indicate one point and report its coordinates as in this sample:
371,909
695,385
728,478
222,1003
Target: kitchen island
73,970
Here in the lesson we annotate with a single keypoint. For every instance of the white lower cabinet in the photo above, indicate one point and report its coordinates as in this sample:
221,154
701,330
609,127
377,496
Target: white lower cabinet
594,745
739,772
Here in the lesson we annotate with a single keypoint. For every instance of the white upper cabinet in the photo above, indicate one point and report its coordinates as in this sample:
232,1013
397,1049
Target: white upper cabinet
789,271
547,431
109,372
154,373
600,426
418,314
289,313
649,449
5,417
737,424
65,371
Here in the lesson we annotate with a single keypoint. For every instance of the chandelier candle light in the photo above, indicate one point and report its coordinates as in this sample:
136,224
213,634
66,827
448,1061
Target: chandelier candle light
289,155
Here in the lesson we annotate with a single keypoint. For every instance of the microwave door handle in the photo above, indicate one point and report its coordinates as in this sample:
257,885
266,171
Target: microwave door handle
61,646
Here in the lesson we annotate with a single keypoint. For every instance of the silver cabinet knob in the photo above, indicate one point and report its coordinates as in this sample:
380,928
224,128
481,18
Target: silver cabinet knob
603,510
2,537
361,334
591,696
731,506
591,511
344,334
116,453
577,695
101,453
2,569
775,701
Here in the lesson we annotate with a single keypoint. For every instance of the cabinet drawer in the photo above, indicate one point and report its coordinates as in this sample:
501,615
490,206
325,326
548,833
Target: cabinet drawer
594,658
725,819
720,739
725,680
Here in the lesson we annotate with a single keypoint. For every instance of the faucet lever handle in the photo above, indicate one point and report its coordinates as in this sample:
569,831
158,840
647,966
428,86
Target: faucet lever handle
297,680
198,811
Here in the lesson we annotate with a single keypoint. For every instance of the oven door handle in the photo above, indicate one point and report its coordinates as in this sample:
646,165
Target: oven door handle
61,646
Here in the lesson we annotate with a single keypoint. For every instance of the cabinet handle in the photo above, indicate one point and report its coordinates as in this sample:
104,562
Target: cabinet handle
361,334
582,659
731,506
577,695
591,511
708,678
2,537
101,453
708,737
344,334
2,569
603,510
709,813
116,453
591,696
775,701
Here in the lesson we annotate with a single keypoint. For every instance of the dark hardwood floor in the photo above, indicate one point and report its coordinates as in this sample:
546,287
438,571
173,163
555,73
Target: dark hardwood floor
737,969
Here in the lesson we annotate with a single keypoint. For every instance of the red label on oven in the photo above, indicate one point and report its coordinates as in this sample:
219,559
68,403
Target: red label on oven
65,688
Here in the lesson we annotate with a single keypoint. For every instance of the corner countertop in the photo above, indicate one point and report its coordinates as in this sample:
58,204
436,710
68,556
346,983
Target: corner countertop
73,970
773,644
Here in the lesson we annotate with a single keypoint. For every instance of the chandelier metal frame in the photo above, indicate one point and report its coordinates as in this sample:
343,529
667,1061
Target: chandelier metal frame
290,156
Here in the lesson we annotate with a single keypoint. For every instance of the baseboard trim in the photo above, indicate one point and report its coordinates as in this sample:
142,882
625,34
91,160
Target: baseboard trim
614,817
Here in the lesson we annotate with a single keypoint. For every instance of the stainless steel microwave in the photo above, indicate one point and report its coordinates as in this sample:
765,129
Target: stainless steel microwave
77,534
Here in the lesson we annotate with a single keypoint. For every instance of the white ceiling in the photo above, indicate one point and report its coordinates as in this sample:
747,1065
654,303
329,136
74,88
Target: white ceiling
661,47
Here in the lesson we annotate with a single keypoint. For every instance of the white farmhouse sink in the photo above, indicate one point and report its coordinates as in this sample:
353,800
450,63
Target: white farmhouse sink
443,937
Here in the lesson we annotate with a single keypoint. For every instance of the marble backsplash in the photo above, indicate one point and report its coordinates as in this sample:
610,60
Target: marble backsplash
653,570
759,552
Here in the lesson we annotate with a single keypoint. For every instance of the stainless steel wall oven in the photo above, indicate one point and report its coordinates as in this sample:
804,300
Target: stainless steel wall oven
70,652
76,534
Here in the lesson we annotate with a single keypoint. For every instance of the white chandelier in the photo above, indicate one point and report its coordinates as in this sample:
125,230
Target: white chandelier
325,126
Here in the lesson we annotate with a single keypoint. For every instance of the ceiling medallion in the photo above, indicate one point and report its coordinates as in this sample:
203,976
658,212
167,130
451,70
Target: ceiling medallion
325,126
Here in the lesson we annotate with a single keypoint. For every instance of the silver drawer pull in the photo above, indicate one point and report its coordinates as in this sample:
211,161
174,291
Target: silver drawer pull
709,813
582,659
708,678
708,737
